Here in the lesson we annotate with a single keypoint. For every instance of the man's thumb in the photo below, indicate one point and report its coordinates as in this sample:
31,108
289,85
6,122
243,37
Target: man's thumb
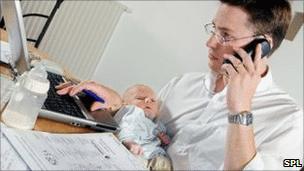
97,106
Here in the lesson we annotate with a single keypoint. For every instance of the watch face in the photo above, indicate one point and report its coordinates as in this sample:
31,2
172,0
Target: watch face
248,118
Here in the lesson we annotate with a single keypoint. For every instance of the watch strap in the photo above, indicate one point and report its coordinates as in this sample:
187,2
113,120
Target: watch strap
243,118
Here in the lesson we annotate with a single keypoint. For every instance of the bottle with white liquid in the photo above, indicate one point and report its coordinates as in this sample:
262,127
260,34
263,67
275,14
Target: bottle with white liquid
27,99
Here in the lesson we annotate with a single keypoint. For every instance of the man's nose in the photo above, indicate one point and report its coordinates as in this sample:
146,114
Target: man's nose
211,42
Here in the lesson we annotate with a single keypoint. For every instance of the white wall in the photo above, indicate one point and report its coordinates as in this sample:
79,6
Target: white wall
162,39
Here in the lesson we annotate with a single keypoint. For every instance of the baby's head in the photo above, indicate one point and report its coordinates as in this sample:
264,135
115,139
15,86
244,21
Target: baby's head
143,97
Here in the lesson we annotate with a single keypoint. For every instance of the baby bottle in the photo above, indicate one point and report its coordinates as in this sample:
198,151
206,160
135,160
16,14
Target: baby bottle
27,99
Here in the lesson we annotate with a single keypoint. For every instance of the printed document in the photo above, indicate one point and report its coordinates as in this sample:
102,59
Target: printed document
10,159
93,151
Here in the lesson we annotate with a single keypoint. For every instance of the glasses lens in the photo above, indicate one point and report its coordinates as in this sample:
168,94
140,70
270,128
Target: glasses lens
209,28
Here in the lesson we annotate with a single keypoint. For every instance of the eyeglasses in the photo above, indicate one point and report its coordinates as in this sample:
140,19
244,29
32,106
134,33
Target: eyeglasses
223,39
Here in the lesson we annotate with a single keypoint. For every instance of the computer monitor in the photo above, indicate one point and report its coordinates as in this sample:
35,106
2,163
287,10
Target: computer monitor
11,11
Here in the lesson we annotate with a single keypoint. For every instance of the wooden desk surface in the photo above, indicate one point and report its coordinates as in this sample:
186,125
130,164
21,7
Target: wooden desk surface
43,124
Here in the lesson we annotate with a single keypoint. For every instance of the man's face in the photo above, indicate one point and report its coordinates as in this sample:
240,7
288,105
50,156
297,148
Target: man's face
144,98
230,22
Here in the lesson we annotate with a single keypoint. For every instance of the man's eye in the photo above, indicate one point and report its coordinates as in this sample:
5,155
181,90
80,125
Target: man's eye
226,36
140,98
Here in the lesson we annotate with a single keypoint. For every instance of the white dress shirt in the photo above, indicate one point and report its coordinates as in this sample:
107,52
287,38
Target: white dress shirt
196,119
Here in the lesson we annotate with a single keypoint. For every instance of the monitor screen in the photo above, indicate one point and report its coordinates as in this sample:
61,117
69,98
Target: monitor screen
11,11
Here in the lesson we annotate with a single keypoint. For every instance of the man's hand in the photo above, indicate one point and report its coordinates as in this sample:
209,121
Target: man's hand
112,99
243,79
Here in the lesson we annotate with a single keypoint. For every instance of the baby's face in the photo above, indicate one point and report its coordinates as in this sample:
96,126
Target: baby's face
144,98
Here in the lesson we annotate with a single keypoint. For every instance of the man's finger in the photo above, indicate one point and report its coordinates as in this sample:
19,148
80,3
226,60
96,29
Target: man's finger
247,61
88,85
235,61
63,85
65,90
97,106
229,70
258,56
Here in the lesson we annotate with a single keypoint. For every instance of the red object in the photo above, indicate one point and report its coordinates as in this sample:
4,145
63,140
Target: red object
164,138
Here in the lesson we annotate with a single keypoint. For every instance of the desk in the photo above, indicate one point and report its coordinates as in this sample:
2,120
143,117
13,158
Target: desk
43,124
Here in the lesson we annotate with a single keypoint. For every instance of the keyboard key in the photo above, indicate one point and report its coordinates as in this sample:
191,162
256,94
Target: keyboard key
61,104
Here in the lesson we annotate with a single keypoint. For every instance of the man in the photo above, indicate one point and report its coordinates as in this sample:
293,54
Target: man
234,117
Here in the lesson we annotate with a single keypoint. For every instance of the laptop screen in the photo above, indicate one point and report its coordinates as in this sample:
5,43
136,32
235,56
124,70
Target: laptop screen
11,11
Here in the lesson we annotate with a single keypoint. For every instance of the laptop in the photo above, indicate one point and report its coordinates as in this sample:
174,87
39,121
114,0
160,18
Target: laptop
72,110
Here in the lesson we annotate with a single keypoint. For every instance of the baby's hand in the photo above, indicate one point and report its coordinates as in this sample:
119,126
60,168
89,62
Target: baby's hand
135,148
164,138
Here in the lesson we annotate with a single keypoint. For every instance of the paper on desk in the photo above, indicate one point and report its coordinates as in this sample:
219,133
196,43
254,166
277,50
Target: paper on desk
94,151
10,159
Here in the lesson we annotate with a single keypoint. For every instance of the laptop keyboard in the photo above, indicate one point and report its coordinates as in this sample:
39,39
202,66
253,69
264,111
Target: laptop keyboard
64,104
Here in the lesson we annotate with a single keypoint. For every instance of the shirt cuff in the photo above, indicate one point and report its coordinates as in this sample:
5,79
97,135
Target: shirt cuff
256,163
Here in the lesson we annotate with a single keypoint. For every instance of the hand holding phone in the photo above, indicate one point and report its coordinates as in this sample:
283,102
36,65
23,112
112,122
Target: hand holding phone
242,87
250,49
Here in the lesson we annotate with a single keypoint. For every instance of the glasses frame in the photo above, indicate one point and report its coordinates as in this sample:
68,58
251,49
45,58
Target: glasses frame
211,30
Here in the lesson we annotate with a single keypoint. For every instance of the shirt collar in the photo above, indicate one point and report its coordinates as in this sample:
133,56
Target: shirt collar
210,80
211,77
266,82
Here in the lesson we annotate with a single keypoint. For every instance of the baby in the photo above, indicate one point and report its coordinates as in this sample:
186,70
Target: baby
140,132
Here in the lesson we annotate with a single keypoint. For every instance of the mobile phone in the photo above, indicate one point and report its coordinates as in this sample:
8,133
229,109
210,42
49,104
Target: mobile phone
250,49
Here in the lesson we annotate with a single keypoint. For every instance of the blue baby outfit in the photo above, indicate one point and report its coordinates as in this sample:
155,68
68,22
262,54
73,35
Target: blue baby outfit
136,126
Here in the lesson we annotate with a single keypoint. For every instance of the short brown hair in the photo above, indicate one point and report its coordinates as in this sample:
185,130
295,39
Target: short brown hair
267,16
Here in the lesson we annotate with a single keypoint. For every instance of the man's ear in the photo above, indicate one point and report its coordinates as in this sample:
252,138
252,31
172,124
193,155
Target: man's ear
269,39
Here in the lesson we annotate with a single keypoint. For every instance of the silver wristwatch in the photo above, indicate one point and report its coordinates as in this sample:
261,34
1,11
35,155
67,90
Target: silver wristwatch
243,118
